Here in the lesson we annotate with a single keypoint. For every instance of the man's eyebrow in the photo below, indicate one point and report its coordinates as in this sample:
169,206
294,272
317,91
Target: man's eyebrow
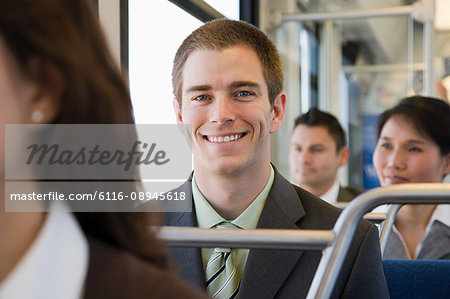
238,84
310,146
203,87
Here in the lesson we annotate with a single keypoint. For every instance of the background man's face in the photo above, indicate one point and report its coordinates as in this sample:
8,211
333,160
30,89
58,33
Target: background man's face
225,98
313,157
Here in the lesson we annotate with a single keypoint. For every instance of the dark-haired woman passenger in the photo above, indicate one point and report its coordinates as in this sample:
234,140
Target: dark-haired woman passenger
414,147
55,68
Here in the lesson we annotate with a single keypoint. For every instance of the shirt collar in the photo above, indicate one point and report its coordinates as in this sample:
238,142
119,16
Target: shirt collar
332,194
207,217
442,214
59,250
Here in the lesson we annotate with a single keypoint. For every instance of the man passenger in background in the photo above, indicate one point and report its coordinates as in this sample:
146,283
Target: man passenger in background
318,149
228,82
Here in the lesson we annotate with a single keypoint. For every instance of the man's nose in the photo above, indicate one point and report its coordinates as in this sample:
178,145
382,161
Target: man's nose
222,110
303,156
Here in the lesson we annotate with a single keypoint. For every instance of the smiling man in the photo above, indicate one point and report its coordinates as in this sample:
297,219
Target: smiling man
228,82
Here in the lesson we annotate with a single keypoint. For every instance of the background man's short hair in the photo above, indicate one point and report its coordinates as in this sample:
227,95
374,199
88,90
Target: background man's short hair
317,118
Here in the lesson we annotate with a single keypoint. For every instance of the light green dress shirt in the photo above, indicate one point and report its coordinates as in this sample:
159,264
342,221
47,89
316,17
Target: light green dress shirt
207,217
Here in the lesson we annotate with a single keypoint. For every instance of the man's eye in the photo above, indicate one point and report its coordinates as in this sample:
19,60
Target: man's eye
243,94
201,98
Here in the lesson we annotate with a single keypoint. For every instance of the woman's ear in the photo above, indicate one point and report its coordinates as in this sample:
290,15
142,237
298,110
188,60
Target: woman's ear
46,101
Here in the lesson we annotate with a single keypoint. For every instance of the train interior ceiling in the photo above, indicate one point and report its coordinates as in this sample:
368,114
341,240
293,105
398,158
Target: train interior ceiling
356,58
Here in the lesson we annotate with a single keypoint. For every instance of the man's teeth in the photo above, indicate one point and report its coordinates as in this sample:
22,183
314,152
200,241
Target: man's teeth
225,139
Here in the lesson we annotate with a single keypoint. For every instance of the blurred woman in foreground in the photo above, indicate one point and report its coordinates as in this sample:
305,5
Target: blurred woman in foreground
414,147
55,68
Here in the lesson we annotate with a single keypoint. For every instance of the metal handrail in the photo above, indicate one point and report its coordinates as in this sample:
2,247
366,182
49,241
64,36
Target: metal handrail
253,238
405,10
335,242
333,257
247,238
386,227
371,216
375,217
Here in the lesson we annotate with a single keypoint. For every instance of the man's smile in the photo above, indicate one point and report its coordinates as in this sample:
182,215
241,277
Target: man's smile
224,138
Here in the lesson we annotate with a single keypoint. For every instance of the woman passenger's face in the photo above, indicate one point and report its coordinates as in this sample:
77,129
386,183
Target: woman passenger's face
403,155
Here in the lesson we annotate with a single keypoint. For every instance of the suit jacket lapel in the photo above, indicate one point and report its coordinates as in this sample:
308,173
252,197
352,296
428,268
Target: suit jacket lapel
266,270
188,259
343,195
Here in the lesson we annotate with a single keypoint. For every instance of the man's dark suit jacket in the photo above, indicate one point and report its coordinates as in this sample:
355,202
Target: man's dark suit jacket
346,194
289,273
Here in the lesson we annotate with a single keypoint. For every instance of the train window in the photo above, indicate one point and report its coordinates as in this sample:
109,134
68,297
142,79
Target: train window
229,8
349,65
308,69
156,29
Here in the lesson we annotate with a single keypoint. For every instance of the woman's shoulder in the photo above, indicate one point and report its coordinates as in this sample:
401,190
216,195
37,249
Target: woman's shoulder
116,273
442,214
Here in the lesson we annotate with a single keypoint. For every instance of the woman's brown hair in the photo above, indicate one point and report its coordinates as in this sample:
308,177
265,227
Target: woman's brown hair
64,36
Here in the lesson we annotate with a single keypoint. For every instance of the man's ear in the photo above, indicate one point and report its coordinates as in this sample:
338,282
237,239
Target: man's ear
47,97
177,108
344,154
446,169
279,106
185,129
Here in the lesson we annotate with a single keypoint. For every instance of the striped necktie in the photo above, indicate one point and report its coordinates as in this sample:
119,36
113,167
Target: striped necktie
221,278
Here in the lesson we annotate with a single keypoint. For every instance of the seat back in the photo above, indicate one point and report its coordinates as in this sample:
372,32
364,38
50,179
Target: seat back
417,278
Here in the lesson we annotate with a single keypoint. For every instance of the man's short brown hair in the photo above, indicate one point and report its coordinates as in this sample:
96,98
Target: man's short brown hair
224,33
317,118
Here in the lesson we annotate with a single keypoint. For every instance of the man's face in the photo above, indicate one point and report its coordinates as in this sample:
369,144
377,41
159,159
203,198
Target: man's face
313,158
225,99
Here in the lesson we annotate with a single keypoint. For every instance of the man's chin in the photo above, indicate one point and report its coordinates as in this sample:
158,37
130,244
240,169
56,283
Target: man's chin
226,170
306,181
305,178
227,167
